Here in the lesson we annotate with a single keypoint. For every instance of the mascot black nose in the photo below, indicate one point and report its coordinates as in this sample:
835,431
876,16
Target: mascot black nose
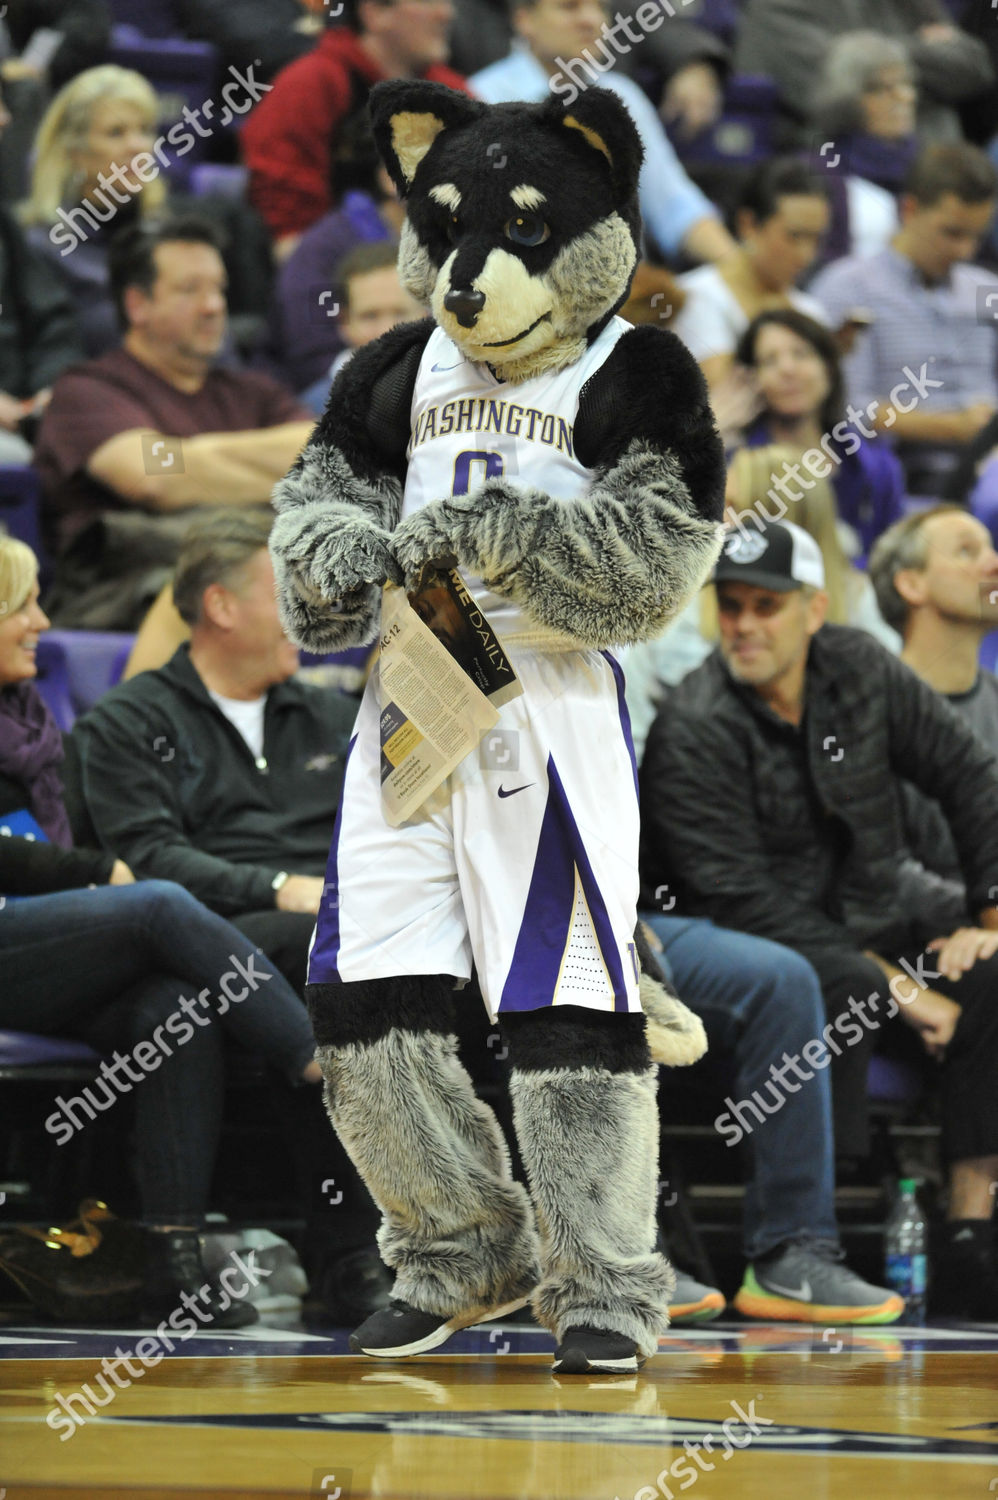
465,303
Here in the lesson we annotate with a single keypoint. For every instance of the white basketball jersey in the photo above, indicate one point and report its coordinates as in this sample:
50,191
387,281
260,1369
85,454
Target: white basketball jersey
467,427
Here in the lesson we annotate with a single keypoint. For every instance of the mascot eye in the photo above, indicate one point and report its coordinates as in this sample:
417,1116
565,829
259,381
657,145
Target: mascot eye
527,229
452,231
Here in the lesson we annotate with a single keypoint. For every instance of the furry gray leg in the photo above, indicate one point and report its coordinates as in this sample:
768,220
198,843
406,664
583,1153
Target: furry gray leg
584,1103
457,1230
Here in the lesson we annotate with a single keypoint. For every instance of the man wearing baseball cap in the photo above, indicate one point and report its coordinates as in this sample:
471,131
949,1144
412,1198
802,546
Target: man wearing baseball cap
771,801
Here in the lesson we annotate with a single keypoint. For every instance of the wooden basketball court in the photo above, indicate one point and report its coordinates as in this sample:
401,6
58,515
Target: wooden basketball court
758,1411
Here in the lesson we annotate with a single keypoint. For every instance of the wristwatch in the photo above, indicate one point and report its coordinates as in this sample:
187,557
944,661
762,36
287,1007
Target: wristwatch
278,881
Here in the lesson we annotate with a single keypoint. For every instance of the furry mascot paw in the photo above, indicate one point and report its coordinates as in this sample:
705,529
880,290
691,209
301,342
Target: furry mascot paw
675,1035
487,533
331,557
329,579
422,538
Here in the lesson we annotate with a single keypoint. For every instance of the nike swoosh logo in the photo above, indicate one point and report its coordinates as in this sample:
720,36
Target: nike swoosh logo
439,369
800,1293
514,789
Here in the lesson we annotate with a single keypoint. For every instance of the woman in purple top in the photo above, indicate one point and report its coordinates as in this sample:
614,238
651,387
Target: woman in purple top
864,108
795,366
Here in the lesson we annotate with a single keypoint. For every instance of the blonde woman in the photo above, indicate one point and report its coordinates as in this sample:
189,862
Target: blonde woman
101,163
84,188
752,500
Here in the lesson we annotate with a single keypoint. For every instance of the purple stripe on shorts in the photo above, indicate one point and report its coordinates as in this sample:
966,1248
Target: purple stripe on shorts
326,947
547,914
625,716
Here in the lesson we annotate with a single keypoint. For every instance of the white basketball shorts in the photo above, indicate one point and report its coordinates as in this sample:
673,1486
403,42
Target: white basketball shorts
524,862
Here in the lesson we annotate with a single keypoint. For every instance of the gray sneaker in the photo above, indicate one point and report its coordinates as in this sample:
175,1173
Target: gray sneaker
807,1283
693,1302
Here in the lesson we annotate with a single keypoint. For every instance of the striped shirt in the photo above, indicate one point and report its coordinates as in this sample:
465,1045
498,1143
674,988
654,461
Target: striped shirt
950,328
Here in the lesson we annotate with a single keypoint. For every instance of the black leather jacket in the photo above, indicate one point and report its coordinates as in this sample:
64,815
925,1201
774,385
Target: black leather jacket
796,834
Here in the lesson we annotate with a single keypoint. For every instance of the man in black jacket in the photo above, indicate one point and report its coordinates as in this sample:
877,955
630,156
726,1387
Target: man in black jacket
771,799
218,770
223,771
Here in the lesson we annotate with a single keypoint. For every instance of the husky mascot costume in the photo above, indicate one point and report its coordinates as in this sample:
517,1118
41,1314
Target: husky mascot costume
570,464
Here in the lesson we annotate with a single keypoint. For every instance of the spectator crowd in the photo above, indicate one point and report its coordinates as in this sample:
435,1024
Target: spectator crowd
817,732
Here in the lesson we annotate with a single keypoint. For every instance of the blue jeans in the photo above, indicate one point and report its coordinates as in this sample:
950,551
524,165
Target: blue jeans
758,1000
109,966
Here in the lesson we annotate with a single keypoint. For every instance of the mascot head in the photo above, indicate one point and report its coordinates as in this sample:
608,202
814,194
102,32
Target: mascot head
522,226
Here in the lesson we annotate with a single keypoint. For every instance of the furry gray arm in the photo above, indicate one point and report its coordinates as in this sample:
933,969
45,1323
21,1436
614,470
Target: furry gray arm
609,568
332,550
336,509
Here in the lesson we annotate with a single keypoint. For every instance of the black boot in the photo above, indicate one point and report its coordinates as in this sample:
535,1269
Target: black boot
964,1280
350,1287
174,1265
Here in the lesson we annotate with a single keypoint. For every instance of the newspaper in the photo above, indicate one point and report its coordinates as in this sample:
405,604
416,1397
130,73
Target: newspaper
443,676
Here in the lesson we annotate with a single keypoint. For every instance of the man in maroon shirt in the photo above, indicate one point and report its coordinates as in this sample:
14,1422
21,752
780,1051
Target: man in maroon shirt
131,443
290,139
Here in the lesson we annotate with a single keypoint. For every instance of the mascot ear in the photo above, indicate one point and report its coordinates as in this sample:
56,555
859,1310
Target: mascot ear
602,119
407,118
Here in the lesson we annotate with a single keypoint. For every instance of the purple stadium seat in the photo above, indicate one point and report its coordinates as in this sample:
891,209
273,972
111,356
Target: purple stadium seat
182,73
76,667
21,1050
892,1082
156,18
20,503
217,177
989,652
743,135
345,670
719,16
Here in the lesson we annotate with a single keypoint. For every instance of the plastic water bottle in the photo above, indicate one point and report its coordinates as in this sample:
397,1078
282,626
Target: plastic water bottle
907,1262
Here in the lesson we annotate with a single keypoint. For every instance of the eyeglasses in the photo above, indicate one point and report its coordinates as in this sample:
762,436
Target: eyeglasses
890,86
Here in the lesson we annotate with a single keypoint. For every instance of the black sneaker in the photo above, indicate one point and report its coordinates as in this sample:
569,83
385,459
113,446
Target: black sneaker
964,1279
399,1329
585,1350
174,1265
352,1287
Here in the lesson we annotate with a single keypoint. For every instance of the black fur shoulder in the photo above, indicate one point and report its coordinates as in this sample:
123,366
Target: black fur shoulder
651,388
367,414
